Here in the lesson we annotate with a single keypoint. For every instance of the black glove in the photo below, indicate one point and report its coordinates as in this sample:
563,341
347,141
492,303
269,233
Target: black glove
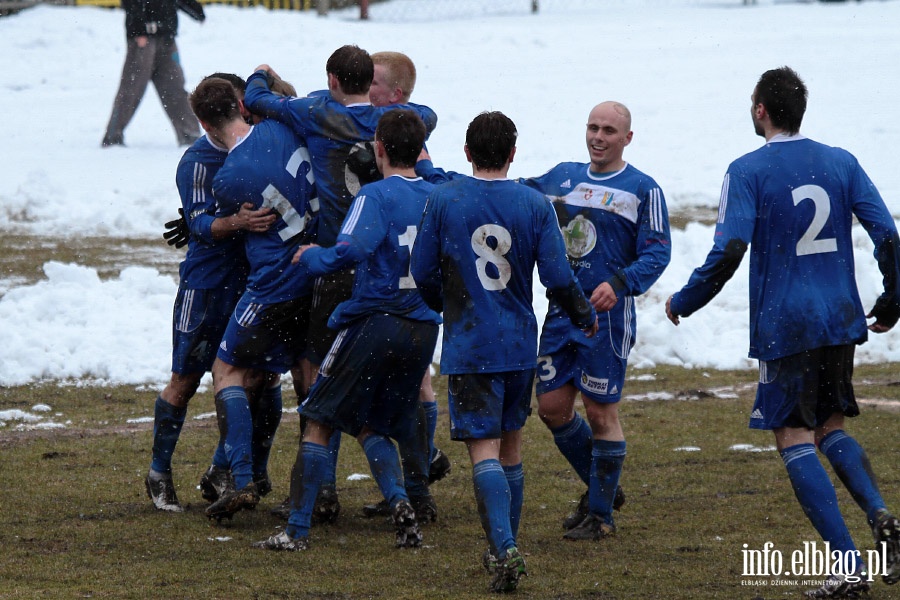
177,233
362,164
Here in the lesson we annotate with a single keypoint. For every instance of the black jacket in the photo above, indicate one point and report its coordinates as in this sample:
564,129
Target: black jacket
158,17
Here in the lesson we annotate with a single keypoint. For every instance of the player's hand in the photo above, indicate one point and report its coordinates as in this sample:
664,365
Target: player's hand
177,233
267,69
257,220
300,252
672,317
603,298
877,326
142,41
592,330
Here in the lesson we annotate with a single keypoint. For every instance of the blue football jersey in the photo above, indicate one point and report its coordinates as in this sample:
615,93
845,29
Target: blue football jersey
616,225
208,264
477,248
793,202
378,236
333,133
270,168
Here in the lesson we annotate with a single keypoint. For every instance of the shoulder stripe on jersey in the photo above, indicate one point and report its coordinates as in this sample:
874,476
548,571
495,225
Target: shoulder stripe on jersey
353,217
656,211
723,199
199,191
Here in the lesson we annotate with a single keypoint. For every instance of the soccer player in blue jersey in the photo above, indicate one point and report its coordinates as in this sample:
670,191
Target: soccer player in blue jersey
338,127
368,384
393,83
793,202
615,223
474,258
267,166
212,277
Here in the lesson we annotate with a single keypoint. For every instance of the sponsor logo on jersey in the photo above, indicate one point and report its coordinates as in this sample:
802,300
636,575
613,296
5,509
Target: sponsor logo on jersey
594,384
223,345
580,235
756,415
614,390
567,184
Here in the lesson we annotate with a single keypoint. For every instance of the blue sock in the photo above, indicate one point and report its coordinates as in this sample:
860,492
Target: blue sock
334,447
236,428
515,477
266,417
816,495
852,466
167,423
493,498
575,440
431,416
606,469
220,458
384,463
306,479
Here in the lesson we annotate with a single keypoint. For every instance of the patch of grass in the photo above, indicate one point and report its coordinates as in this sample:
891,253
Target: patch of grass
76,521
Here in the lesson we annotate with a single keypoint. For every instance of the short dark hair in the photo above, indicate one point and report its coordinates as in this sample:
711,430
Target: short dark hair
491,137
403,134
215,102
353,68
784,95
236,80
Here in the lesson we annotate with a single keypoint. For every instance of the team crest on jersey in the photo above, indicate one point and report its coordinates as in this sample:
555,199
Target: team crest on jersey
580,235
594,384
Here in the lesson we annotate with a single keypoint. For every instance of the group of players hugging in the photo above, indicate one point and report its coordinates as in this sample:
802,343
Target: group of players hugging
321,240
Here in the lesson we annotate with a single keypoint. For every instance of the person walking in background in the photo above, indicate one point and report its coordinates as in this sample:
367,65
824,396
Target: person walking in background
152,55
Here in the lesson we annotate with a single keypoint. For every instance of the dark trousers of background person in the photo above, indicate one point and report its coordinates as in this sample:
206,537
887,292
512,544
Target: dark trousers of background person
157,62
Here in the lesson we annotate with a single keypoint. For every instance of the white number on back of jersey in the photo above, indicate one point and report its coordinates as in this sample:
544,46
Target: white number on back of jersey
808,244
273,198
408,239
488,255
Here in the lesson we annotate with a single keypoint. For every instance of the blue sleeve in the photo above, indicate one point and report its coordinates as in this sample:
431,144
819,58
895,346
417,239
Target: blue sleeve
362,232
432,174
320,261
425,259
870,210
197,200
734,231
259,99
653,246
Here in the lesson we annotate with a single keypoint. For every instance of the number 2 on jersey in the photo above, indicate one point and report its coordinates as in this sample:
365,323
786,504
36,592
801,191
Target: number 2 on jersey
808,244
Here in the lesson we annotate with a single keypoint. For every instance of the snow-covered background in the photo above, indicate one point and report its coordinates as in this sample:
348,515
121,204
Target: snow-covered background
685,68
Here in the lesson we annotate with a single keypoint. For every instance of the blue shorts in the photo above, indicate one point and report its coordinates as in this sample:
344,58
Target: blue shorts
199,320
267,337
595,365
328,291
371,376
805,389
484,405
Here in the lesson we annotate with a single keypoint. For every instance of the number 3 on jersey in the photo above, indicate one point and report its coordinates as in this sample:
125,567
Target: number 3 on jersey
492,255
